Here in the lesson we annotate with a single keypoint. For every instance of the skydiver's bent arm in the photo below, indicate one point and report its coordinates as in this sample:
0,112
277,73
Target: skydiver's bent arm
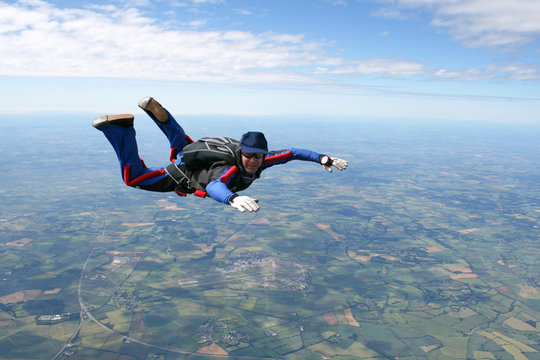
218,189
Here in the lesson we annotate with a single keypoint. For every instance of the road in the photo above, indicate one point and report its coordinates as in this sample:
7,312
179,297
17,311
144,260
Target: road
86,315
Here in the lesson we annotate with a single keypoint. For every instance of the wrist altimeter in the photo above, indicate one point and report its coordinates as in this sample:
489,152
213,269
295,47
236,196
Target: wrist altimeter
325,160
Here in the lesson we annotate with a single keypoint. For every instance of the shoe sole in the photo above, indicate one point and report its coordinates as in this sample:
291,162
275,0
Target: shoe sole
151,106
123,120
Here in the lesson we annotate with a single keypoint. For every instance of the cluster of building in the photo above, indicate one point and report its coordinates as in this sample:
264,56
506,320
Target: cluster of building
55,319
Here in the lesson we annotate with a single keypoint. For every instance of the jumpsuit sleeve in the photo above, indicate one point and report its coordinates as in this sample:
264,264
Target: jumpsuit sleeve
284,156
218,190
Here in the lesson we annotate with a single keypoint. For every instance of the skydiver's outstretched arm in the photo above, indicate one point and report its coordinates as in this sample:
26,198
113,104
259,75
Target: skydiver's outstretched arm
284,156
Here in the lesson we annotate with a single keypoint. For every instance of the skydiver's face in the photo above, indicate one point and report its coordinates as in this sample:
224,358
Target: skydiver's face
252,162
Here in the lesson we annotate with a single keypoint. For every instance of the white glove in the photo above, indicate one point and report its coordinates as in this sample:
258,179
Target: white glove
327,162
243,203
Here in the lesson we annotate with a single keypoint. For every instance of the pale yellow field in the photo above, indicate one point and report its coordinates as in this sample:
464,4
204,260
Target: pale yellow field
213,349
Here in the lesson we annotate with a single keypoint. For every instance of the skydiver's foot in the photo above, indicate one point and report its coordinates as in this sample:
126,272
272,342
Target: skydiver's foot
123,120
151,106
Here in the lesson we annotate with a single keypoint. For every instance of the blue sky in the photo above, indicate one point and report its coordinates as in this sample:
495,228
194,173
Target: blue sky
410,59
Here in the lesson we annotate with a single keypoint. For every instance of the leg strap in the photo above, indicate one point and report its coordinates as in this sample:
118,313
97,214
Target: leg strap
178,175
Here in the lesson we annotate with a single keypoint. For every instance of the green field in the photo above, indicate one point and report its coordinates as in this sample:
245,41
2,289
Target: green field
427,247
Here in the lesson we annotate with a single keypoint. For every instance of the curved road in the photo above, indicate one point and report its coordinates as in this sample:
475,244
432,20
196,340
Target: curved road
85,312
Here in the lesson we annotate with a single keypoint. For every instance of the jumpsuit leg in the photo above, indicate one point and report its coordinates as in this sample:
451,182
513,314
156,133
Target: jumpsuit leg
133,170
173,131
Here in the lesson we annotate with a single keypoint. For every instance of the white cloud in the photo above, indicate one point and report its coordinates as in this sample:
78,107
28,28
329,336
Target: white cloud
393,13
383,67
136,3
337,2
518,72
105,41
395,68
207,1
196,24
244,12
38,39
495,24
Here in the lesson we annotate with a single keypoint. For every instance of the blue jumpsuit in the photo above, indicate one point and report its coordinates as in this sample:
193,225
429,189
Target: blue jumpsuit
220,180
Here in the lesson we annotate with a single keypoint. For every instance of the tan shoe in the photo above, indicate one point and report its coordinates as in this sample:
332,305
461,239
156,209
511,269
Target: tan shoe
151,106
123,120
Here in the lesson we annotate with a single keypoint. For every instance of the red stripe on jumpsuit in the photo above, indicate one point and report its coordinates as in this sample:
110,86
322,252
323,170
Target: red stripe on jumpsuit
228,174
278,157
149,175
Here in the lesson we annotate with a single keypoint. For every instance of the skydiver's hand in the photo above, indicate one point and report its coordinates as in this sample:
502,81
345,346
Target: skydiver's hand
340,164
243,203
327,162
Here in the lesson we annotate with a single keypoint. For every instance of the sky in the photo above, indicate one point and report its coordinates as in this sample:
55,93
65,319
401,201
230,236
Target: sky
472,60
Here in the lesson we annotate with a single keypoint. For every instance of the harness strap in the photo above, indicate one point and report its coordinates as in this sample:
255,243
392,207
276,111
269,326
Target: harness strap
183,181
177,175
199,193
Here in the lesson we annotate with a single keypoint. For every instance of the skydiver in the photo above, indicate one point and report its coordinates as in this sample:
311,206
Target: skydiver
220,178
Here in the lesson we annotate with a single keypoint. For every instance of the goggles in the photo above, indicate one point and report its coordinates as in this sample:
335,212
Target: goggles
252,155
